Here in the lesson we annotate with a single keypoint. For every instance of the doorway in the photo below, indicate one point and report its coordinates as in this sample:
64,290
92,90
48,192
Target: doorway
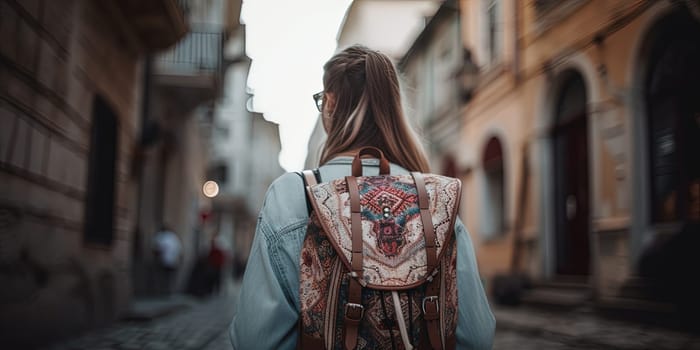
571,178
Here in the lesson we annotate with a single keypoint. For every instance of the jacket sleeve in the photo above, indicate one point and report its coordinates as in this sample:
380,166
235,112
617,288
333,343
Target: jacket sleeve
476,324
264,318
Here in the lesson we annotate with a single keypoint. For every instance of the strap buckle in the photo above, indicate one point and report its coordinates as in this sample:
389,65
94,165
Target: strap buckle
354,306
431,299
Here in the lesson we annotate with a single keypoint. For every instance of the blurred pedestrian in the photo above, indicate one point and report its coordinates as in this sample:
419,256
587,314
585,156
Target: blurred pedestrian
167,251
360,106
216,260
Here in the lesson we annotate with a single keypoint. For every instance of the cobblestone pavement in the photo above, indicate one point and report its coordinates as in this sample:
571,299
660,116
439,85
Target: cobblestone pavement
203,326
529,328
507,339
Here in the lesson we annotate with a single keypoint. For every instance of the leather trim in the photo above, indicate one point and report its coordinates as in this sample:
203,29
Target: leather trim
352,318
357,162
355,226
431,313
310,177
428,227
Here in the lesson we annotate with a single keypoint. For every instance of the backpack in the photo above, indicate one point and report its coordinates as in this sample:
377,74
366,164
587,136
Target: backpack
377,247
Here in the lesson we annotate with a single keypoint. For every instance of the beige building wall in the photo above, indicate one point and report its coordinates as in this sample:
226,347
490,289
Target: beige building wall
515,102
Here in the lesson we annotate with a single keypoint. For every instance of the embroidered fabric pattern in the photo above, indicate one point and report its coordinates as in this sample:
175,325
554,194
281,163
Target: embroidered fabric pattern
392,230
394,258
317,256
379,324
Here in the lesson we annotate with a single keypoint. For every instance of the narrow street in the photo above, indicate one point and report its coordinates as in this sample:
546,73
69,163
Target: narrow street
201,326
526,328
510,339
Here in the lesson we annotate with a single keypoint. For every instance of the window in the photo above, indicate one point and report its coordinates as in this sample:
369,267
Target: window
99,203
493,218
492,29
674,123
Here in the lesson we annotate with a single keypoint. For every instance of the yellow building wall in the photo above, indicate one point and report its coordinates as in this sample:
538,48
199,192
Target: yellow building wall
518,110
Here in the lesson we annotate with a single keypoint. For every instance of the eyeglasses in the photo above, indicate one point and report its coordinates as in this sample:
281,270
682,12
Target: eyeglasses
318,98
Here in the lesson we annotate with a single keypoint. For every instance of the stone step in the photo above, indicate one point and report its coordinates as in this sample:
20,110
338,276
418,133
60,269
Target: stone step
555,297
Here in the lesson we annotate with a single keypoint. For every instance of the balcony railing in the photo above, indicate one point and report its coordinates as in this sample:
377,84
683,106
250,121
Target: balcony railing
197,53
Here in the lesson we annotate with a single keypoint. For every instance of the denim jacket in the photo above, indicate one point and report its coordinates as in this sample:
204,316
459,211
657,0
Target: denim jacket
268,306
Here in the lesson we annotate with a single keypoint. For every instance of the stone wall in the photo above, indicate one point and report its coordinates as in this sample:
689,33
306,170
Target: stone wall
55,58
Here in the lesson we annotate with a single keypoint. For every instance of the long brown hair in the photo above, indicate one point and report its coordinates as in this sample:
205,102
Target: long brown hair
367,109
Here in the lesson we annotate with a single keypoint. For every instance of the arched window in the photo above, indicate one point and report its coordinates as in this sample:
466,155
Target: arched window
674,121
493,215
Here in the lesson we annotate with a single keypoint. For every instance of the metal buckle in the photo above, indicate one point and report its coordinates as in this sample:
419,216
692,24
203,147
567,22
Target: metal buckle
355,306
431,299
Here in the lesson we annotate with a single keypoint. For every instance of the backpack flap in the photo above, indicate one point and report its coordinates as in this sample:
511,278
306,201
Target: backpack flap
394,252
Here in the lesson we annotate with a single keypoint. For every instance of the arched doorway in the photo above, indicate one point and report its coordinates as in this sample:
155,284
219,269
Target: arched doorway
571,178
493,222
672,98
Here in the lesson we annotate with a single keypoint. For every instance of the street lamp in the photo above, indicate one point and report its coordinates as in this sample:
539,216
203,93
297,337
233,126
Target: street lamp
467,76
210,189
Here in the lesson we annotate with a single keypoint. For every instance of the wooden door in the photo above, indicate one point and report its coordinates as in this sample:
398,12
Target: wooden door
571,177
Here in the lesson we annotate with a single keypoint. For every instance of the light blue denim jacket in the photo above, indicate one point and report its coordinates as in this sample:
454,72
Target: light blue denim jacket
268,305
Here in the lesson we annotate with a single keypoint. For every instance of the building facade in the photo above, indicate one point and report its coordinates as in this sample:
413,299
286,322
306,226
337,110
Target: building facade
71,75
244,161
431,96
184,86
580,134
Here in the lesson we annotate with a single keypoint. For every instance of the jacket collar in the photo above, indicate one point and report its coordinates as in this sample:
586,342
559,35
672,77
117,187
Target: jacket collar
345,160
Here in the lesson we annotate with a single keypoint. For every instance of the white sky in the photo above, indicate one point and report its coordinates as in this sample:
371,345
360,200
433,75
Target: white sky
289,41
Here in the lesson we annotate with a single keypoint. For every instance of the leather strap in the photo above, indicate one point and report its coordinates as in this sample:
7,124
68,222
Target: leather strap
354,311
310,177
357,162
306,341
427,220
431,302
431,312
355,226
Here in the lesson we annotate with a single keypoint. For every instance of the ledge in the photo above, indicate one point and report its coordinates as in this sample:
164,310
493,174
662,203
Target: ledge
620,223
148,25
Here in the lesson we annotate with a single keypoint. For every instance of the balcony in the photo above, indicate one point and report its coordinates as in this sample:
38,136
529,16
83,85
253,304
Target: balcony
148,25
193,68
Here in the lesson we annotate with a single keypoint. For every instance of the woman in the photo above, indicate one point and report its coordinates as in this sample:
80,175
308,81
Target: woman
360,106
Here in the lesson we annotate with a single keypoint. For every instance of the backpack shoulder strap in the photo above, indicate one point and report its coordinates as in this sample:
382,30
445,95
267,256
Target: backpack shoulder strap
310,178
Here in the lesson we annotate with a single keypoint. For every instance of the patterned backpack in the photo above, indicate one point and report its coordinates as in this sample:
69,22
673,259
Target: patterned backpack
378,266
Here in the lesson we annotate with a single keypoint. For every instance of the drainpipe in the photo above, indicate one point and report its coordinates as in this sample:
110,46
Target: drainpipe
138,279
145,115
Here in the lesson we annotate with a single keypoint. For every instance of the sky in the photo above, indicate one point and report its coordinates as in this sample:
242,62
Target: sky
288,42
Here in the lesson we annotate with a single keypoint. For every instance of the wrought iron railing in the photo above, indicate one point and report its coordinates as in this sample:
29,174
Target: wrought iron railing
197,52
